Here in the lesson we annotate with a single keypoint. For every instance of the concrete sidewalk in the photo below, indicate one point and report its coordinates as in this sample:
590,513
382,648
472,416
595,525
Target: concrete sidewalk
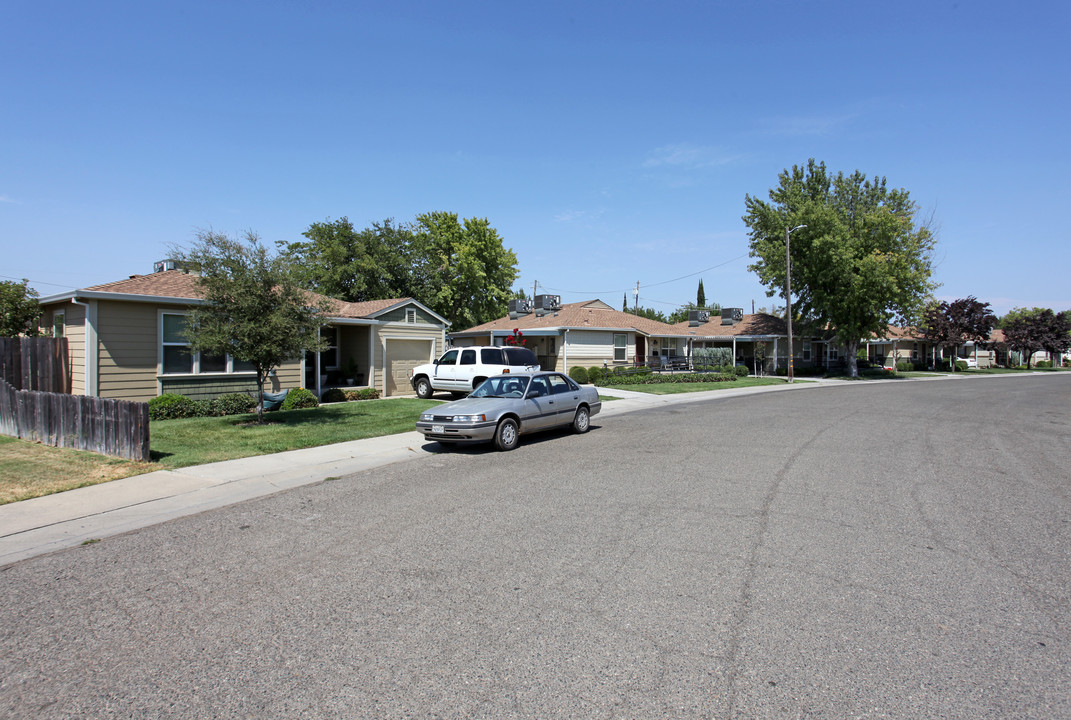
63,520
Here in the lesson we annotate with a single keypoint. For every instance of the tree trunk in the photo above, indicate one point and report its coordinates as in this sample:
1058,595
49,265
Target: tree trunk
261,377
851,351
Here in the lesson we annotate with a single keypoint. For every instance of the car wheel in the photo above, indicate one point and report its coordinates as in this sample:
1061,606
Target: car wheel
423,389
582,420
507,435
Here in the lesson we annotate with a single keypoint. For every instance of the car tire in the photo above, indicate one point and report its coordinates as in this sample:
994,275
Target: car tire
424,389
582,420
507,435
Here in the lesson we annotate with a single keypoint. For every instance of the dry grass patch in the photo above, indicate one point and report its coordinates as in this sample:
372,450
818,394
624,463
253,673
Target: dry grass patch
29,470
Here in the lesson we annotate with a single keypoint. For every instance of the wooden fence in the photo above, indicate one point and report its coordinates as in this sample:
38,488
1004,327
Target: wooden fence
36,404
35,364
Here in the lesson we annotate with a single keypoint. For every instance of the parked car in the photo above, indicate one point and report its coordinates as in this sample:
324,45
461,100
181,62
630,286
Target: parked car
461,370
971,362
504,407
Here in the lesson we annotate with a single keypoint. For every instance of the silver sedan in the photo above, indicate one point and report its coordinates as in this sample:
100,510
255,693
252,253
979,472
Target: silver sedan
504,407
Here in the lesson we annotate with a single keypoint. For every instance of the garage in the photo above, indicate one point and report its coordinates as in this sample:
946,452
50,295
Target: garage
400,357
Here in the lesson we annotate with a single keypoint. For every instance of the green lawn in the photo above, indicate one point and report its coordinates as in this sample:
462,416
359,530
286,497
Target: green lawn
195,441
30,470
675,388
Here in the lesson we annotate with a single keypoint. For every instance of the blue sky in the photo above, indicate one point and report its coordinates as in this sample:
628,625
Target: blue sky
609,143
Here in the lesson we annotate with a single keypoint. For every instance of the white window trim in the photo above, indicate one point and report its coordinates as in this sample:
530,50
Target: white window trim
60,317
623,347
228,372
410,316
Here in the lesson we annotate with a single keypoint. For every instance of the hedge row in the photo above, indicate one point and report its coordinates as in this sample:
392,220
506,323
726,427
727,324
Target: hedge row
171,406
342,395
653,379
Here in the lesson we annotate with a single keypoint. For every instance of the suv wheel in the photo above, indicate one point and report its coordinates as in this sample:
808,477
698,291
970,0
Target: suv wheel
423,388
506,435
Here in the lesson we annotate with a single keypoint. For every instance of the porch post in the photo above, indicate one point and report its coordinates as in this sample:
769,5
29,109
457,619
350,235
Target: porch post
775,356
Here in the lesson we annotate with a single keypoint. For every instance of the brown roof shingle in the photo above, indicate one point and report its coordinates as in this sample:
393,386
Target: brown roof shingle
589,314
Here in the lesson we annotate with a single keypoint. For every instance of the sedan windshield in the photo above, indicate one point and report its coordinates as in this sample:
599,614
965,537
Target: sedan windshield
505,386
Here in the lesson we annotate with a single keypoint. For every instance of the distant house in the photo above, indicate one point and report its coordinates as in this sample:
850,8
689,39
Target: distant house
125,341
583,333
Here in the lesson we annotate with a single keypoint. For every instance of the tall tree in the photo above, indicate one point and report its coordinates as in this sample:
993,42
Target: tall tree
468,273
376,263
700,296
19,309
1033,329
949,325
860,262
624,303
254,309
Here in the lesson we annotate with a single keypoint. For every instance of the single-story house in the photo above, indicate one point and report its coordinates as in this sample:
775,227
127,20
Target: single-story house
587,334
125,341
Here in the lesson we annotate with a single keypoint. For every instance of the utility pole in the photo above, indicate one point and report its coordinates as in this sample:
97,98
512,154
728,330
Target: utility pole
788,295
636,294
535,287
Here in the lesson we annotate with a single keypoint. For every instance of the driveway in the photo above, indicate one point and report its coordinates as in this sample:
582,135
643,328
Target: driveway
871,550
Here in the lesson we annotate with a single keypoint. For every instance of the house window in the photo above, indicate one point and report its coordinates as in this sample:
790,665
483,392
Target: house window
57,324
915,351
410,315
620,347
807,350
176,358
834,352
329,357
552,346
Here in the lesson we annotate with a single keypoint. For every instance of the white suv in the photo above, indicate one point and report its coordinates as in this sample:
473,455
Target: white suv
460,370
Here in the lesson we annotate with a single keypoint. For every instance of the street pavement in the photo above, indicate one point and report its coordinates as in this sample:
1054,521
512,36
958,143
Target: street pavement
65,520
853,550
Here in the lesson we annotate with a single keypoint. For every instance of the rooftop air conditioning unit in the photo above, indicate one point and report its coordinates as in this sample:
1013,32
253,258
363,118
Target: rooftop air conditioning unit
731,316
547,303
518,307
164,265
698,317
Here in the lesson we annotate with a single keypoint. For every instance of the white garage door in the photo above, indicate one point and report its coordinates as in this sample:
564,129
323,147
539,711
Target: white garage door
402,357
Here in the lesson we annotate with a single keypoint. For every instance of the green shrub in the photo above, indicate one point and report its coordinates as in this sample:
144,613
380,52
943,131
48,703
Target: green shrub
170,406
362,394
712,356
333,395
579,374
961,365
1043,364
904,366
740,371
299,398
595,374
233,404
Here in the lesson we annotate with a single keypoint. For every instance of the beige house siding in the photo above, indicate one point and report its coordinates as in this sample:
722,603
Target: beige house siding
398,316
589,348
128,350
74,329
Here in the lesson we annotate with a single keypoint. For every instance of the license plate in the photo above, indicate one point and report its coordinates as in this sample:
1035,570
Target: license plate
438,429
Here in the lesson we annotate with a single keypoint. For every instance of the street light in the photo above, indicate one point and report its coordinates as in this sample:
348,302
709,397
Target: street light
788,295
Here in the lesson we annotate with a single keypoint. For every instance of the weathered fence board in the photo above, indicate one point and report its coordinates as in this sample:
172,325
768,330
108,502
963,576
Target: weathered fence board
110,427
35,364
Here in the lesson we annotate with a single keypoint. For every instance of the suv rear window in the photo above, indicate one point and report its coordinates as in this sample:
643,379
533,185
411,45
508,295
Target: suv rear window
519,356
492,356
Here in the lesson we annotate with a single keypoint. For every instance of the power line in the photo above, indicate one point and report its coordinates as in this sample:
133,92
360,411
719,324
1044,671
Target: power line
664,282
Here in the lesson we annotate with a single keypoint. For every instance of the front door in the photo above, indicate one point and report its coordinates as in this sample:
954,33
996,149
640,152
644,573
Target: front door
641,348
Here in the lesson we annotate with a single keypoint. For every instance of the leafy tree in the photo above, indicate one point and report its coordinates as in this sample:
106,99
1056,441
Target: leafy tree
376,263
651,314
1030,330
468,272
19,309
254,309
860,262
949,325
700,296
681,313
624,302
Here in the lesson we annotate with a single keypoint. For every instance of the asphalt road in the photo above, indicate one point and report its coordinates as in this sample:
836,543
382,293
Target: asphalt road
897,550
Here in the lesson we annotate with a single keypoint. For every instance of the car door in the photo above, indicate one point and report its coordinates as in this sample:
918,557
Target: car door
566,396
466,369
446,370
539,407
